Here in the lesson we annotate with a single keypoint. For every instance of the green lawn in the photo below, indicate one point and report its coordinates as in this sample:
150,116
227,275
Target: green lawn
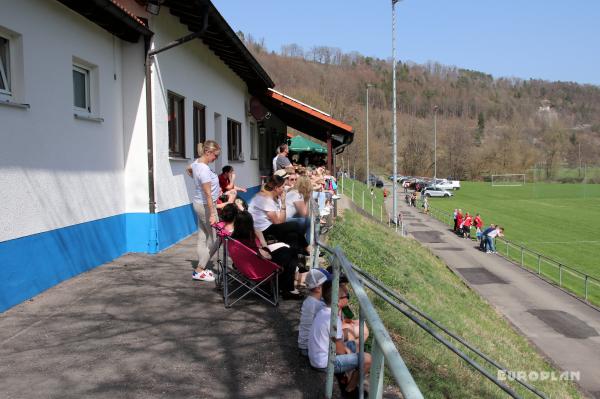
421,277
561,221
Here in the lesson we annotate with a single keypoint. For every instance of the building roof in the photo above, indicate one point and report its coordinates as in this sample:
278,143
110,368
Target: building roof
222,40
218,36
112,16
307,119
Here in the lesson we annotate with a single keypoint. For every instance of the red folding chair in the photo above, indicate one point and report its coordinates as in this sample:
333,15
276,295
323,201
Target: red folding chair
251,271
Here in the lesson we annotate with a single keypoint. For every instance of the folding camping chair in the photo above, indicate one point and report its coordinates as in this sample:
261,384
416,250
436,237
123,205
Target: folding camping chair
251,271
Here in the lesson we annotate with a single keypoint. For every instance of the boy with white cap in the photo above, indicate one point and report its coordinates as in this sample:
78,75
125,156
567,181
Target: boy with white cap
311,305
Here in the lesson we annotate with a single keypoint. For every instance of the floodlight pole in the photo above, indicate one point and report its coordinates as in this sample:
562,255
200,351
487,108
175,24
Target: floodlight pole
435,110
394,140
368,176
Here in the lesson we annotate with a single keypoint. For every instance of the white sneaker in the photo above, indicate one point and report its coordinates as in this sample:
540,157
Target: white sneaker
335,197
324,212
203,276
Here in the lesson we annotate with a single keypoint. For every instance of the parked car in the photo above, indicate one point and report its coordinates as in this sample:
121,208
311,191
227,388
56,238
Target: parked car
436,192
443,184
375,181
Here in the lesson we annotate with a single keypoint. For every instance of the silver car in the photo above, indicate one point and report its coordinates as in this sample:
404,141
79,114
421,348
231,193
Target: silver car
436,192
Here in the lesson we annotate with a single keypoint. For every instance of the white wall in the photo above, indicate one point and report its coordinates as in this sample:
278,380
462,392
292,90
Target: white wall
56,170
196,73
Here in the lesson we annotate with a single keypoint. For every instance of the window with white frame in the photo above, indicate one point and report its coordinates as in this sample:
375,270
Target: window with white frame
254,141
5,78
81,89
234,141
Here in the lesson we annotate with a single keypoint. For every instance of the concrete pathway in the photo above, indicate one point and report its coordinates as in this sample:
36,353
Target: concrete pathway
562,327
139,327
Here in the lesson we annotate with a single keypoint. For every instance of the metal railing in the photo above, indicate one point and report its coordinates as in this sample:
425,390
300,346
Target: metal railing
382,348
580,284
347,187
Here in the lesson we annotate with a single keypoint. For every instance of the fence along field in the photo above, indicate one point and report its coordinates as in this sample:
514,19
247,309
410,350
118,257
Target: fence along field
560,221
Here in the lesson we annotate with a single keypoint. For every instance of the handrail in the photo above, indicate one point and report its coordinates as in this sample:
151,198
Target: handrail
383,346
587,279
382,338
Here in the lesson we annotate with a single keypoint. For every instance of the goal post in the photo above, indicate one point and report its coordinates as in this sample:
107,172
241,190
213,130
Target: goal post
508,180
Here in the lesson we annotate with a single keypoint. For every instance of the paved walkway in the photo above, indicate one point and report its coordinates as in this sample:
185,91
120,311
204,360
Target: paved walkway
139,327
562,327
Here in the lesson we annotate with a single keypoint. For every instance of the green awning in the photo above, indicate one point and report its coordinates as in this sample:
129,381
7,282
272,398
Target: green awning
301,144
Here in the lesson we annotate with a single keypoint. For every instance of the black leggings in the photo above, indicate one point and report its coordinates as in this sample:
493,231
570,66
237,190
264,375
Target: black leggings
289,232
286,258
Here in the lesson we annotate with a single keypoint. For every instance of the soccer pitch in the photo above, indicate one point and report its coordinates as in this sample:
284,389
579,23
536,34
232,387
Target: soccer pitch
561,221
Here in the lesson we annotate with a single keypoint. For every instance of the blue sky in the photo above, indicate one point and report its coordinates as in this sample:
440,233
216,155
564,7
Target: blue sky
551,39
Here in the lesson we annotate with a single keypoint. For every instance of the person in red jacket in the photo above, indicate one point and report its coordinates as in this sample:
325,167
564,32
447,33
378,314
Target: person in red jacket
459,220
467,225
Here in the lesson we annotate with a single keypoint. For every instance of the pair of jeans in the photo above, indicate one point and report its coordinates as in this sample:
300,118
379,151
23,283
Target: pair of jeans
288,232
320,197
490,244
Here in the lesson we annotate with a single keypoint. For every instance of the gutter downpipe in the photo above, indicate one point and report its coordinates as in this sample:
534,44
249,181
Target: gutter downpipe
153,242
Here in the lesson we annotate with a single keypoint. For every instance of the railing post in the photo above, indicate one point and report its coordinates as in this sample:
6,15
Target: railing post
522,256
352,190
586,287
381,213
539,264
559,275
371,205
361,354
333,326
363,200
377,371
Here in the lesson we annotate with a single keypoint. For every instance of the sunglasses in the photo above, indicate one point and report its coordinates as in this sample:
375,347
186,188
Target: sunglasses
290,179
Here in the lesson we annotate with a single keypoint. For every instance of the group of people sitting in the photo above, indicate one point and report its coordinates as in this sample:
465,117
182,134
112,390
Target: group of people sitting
314,326
464,223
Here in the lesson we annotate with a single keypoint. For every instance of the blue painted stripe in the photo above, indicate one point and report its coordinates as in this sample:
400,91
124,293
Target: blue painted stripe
30,265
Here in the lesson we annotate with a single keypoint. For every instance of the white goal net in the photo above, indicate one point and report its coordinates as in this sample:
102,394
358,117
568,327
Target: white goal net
509,180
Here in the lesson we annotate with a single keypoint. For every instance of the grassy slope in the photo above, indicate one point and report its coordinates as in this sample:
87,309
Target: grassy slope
378,208
424,280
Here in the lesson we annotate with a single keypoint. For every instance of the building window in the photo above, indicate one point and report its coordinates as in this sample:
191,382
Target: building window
176,125
4,65
234,141
81,89
254,141
199,126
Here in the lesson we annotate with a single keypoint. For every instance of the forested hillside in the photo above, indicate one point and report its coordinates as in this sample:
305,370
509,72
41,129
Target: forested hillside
484,125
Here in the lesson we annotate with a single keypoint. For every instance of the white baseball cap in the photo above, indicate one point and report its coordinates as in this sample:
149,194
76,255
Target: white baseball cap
316,277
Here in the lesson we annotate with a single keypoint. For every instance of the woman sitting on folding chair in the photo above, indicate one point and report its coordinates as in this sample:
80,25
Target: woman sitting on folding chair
284,256
268,210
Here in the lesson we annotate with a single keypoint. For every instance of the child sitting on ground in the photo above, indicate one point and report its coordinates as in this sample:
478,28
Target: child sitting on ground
311,305
318,341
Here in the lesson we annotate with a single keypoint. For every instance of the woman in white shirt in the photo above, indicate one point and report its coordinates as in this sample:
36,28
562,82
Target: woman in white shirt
206,192
268,209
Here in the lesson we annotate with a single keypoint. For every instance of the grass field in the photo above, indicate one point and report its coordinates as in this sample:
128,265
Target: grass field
561,221
423,279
